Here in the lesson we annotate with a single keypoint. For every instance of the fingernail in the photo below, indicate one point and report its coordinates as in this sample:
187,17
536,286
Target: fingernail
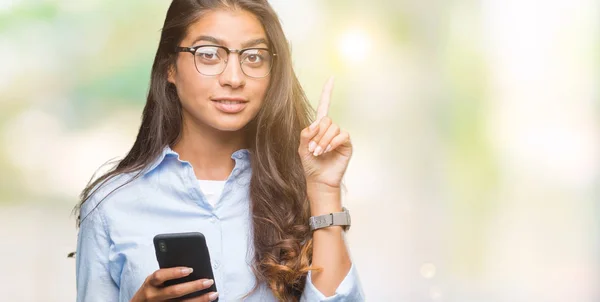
328,148
311,146
208,283
187,270
213,296
313,125
318,151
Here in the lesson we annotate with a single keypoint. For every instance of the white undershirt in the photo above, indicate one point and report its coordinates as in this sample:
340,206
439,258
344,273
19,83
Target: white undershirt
211,189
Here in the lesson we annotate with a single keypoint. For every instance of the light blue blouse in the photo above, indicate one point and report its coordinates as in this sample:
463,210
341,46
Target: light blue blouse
115,251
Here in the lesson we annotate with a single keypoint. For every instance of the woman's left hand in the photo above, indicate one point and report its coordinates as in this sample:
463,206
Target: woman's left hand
325,149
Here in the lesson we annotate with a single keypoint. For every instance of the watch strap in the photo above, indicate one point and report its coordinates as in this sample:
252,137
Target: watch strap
337,218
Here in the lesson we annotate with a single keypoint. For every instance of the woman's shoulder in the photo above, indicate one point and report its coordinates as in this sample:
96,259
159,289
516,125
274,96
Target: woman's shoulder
107,190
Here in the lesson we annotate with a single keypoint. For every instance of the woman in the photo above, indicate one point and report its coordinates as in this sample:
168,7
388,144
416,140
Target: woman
224,148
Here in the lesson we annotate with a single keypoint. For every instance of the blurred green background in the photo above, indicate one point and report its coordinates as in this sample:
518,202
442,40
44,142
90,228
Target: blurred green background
475,125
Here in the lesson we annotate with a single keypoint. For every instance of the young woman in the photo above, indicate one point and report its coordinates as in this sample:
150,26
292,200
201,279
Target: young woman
225,149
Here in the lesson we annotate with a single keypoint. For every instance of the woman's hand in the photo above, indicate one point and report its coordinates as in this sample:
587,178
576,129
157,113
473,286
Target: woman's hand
325,149
153,290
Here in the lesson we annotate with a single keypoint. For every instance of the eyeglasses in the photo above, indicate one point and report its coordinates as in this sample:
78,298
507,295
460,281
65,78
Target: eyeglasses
211,60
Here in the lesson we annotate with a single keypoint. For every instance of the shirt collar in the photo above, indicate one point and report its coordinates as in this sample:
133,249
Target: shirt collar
241,156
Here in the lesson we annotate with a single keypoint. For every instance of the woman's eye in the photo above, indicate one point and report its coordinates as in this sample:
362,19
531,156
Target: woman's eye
253,58
208,55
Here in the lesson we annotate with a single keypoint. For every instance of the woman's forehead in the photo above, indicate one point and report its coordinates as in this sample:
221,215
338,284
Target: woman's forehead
233,29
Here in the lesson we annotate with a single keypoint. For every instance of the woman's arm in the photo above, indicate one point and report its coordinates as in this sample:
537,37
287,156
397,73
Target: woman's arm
94,282
329,248
325,151
338,280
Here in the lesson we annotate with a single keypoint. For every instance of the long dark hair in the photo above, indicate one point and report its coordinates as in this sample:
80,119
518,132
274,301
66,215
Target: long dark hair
279,205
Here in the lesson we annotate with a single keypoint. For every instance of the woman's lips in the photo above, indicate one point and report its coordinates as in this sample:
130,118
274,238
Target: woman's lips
228,106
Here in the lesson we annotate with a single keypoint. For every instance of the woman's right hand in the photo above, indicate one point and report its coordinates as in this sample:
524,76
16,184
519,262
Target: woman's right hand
153,290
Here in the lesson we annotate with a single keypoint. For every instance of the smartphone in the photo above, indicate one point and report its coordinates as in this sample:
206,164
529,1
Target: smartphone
189,250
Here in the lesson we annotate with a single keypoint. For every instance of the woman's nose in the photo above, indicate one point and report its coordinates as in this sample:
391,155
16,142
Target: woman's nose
233,75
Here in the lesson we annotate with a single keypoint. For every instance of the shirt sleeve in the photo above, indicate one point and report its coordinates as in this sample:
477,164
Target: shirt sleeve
349,290
94,282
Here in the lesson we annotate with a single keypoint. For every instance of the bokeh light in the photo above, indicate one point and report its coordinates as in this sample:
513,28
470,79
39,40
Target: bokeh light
355,45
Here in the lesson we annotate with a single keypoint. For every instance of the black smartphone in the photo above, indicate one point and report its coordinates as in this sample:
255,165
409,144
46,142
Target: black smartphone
189,250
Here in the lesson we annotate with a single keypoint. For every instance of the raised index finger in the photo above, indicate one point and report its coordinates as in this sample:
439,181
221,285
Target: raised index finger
323,108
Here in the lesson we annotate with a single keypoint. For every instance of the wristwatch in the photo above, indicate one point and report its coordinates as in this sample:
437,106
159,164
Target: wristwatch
339,218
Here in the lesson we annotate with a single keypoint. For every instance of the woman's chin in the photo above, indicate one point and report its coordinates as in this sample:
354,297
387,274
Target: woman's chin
229,126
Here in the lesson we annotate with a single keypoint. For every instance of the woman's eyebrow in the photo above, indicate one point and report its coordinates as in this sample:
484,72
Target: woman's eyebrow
246,44
254,42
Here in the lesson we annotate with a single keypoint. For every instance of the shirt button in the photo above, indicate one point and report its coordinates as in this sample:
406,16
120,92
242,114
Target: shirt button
213,220
216,265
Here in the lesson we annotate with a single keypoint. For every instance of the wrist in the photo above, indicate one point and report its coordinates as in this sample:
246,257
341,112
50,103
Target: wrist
325,210
321,190
324,202
332,220
330,230
321,186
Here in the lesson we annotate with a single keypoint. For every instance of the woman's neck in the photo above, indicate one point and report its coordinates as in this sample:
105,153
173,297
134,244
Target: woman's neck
209,150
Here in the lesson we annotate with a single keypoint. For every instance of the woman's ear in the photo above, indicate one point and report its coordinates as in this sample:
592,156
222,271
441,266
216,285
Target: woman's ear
171,74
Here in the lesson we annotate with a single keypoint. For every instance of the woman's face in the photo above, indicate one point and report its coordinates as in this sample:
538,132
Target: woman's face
198,93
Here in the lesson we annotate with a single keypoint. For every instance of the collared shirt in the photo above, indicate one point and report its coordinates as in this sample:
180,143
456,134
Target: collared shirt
115,250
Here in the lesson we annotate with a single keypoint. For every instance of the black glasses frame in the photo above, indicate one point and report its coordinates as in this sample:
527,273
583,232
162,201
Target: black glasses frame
193,50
